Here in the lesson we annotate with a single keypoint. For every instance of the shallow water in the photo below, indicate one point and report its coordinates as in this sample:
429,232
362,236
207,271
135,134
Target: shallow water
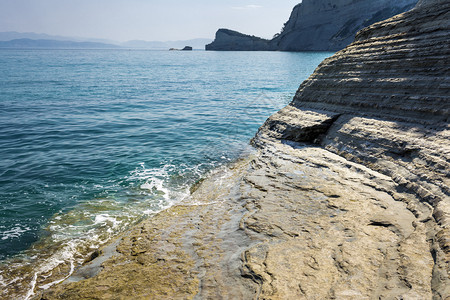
92,141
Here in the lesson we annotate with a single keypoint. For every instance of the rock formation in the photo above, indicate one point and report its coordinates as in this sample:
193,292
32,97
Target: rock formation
234,41
345,197
318,25
384,102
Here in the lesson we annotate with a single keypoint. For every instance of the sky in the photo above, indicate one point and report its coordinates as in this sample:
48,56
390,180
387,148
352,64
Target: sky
150,20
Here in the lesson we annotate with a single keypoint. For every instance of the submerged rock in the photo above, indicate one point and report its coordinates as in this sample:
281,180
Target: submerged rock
345,197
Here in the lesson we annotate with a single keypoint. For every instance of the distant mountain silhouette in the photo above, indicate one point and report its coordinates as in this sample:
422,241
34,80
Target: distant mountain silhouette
14,35
13,39
29,43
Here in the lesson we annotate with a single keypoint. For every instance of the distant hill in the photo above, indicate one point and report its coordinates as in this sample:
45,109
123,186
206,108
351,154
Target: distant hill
194,43
53,44
13,39
14,35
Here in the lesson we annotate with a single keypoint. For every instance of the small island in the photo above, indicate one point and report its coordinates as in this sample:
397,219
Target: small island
186,48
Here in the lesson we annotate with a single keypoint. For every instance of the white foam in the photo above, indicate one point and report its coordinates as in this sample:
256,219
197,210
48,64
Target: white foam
156,181
60,257
105,219
14,232
87,227
30,292
46,286
2,281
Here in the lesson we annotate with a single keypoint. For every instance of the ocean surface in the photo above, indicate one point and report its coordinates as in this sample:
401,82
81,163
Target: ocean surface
93,141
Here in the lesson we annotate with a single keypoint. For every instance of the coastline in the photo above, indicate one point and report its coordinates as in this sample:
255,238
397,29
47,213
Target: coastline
160,252
41,270
346,196
142,185
292,205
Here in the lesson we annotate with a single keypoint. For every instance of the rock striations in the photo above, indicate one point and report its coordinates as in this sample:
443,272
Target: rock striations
316,25
384,102
345,197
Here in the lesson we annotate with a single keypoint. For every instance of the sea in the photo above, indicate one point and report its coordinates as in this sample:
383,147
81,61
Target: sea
94,141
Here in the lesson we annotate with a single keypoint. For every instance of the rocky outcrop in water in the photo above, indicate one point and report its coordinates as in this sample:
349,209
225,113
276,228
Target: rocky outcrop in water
345,197
234,41
319,25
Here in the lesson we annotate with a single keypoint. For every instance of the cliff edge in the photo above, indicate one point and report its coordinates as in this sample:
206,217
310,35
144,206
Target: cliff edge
317,25
345,197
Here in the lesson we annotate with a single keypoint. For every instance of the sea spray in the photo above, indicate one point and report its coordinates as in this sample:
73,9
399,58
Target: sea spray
71,237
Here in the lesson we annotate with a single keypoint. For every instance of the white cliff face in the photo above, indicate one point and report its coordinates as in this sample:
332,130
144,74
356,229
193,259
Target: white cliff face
332,24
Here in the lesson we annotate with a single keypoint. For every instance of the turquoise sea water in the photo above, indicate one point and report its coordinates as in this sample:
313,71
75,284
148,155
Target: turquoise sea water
92,141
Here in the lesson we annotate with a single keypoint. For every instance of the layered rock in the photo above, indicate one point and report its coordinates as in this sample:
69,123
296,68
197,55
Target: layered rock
384,102
319,25
345,197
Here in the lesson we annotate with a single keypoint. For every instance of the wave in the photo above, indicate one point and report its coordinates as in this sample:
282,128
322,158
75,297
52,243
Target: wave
71,238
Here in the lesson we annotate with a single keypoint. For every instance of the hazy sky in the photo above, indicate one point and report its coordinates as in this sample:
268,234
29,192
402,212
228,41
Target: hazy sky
160,20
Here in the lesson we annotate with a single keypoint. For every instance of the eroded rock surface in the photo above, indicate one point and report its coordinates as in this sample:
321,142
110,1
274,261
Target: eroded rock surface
290,222
384,102
345,197
332,229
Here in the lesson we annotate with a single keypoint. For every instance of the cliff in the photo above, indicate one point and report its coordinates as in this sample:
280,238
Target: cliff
345,197
384,103
319,25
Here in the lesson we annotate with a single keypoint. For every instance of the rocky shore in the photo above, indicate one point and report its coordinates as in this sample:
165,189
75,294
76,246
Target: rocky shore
345,197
